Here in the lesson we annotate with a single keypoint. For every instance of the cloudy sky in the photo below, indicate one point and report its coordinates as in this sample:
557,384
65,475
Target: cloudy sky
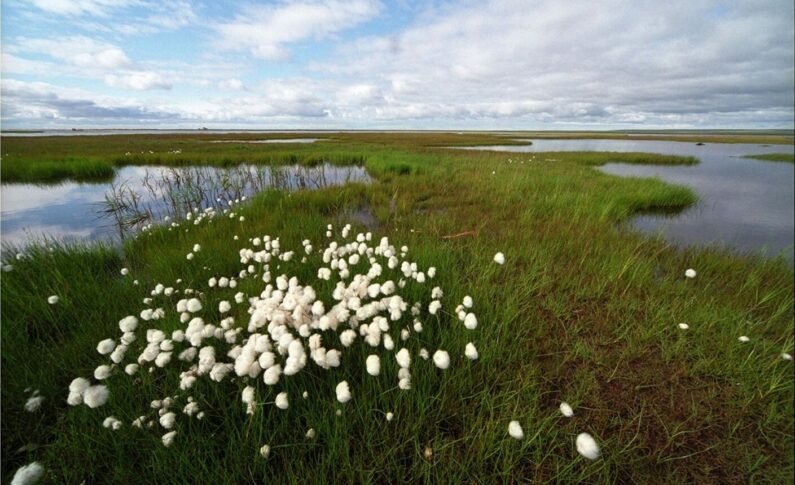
595,64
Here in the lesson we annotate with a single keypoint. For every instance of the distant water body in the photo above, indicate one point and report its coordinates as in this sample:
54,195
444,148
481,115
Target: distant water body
745,204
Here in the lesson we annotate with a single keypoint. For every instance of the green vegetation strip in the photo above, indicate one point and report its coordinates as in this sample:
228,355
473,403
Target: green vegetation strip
581,312
774,157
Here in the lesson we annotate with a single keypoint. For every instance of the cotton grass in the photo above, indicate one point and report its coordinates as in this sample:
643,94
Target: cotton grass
374,299
515,430
587,447
28,474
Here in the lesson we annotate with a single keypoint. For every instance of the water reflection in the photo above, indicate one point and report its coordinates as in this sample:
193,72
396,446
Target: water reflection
140,195
745,204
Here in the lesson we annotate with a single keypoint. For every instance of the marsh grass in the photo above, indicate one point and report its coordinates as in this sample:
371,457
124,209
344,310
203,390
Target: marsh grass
774,157
582,311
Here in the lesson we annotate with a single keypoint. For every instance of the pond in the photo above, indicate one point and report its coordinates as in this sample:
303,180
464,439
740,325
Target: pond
745,204
139,195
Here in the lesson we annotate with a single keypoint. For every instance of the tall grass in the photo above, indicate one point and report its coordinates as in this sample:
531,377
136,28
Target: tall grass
582,311
774,157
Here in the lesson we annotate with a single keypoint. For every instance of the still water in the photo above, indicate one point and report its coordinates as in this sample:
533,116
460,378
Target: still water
139,195
745,204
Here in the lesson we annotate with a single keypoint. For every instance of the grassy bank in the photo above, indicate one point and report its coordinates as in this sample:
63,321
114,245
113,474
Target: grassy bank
582,312
86,158
775,137
774,157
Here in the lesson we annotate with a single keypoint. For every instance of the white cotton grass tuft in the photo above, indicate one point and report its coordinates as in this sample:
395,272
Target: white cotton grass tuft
566,410
403,358
471,321
310,434
168,438
373,364
744,339
281,400
34,402
515,430
441,359
102,372
125,271
690,273
587,447
112,423
343,392
28,474
786,356
265,451
684,326
52,300
471,351
96,396
499,258
106,346
283,326
168,420
194,305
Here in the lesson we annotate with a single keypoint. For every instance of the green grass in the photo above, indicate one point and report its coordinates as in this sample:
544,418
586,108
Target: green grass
774,157
583,311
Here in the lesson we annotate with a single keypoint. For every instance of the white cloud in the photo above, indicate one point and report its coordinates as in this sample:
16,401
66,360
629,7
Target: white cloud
36,102
137,80
266,30
230,85
579,61
76,50
491,64
81,7
109,58
359,94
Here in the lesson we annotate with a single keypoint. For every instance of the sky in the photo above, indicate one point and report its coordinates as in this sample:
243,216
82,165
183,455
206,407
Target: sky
373,64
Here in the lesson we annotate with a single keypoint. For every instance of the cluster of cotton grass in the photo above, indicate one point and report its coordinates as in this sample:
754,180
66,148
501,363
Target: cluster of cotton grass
196,216
286,328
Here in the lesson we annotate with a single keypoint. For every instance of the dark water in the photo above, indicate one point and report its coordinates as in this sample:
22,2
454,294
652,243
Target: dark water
72,211
745,204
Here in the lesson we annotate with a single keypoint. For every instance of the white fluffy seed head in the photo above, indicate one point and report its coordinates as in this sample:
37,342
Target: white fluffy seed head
128,324
281,400
566,410
265,451
690,273
403,358
53,299
168,438
744,339
684,326
373,365
499,258
343,392
28,474
587,447
34,403
194,305
96,396
106,346
471,351
471,321
441,359
515,430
